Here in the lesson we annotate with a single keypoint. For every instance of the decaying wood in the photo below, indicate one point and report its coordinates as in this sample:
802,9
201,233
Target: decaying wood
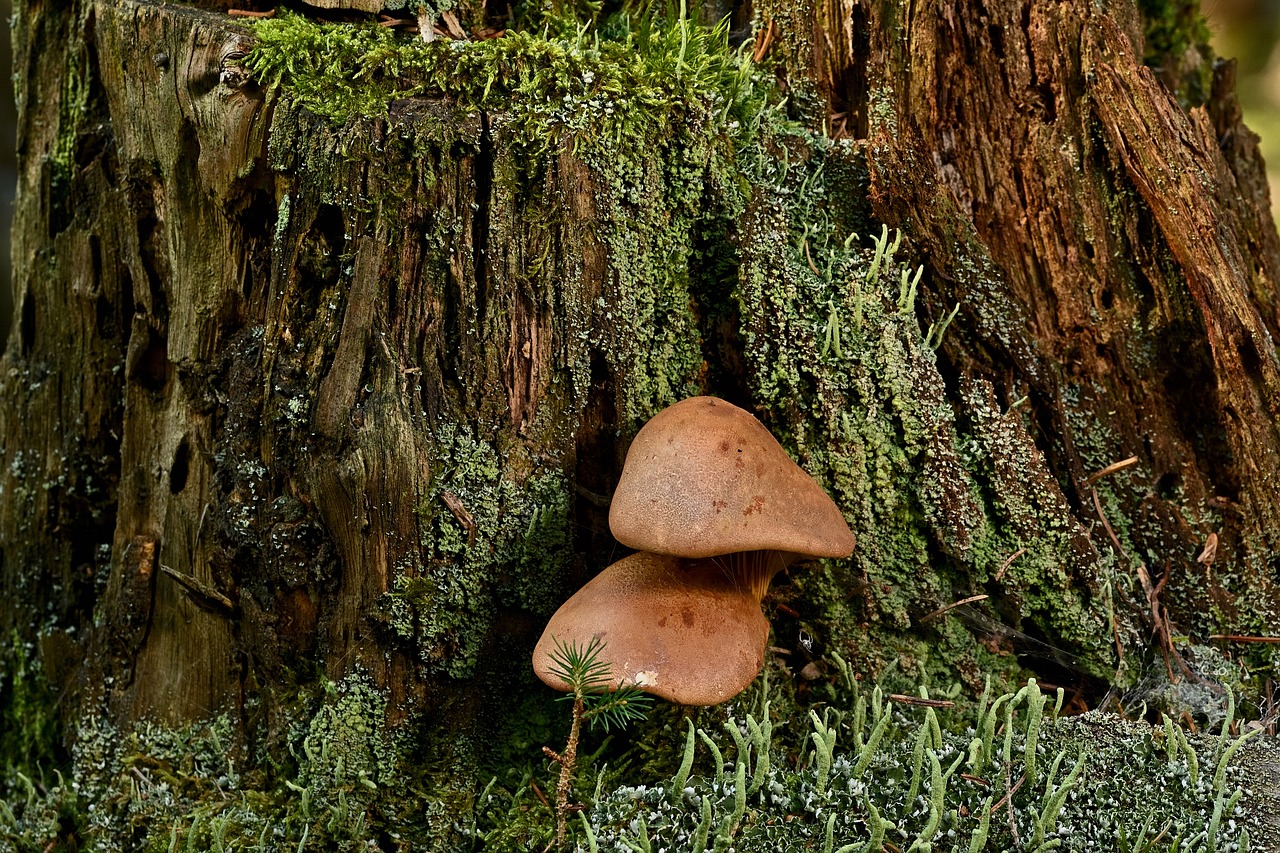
1095,233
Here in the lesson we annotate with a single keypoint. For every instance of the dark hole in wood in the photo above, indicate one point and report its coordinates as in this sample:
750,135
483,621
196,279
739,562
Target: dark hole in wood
1249,358
1142,285
321,250
104,314
1168,484
180,468
598,464
150,363
27,323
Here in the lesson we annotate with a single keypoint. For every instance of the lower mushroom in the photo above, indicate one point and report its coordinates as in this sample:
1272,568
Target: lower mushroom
685,630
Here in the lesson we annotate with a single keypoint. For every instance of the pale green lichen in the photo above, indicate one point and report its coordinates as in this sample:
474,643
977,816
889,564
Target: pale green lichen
195,787
511,548
687,160
1012,776
843,372
650,109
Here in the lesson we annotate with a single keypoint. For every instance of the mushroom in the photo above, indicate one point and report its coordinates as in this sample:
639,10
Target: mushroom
704,478
679,629
716,508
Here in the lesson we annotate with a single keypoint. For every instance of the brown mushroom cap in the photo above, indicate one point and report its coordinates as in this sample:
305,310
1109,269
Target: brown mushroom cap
704,477
683,630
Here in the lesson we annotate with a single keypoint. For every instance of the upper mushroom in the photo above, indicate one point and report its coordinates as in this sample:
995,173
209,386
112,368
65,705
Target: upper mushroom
709,488
704,478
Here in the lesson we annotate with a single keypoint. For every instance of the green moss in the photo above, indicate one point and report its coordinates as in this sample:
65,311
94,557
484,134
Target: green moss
712,212
1176,36
29,729
650,108
846,376
548,88
684,153
1171,27
336,783
30,751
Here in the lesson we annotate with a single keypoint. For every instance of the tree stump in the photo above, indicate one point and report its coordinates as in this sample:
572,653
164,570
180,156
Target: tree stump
301,393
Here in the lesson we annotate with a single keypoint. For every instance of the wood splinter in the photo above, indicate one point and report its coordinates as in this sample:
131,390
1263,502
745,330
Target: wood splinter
201,594
459,510
941,610
766,42
1110,469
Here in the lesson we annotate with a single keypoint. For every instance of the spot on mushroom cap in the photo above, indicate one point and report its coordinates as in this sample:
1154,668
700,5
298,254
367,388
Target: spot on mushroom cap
704,477
682,630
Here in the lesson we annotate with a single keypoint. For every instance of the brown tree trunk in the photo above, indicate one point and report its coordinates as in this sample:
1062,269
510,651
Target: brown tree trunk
290,401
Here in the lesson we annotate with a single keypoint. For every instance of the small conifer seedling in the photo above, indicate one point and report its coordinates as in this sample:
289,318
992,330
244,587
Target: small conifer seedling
595,700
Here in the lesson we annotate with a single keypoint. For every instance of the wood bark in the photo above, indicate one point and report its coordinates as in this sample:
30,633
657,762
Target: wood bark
1138,266
287,400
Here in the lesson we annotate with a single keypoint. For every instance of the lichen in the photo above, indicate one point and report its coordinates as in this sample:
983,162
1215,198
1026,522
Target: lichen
844,373
652,107
696,176
197,786
30,735
511,548
1012,774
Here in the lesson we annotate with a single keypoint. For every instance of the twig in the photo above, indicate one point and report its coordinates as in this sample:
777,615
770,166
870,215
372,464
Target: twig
762,47
1106,525
1004,567
1008,798
970,600
1168,632
459,511
1237,638
1009,793
1269,706
245,13
1110,469
201,594
809,258
925,703
1115,632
